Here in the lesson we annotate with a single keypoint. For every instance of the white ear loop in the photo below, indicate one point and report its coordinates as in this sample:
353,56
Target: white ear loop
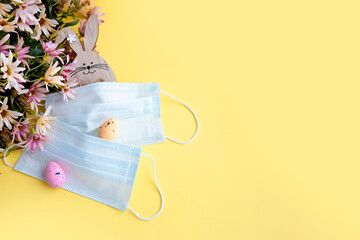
161,195
197,121
14,145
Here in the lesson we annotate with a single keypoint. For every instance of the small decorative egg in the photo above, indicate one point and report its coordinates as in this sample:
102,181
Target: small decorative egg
54,175
109,129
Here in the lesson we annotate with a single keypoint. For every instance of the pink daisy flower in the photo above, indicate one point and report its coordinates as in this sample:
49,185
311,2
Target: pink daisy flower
94,11
4,47
50,49
82,26
67,67
22,53
36,94
68,92
21,130
33,141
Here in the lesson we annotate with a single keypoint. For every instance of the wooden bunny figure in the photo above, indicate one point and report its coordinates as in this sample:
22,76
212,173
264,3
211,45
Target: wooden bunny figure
89,66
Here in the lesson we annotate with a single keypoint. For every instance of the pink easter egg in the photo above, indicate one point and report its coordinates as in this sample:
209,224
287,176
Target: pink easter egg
54,175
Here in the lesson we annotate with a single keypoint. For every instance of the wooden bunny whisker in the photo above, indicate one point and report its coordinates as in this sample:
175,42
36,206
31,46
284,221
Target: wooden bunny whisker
79,69
99,64
89,66
102,69
107,69
76,71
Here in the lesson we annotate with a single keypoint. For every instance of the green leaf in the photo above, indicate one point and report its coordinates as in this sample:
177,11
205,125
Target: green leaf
72,23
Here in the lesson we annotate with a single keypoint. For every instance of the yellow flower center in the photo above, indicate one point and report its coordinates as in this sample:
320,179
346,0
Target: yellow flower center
42,22
4,114
8,71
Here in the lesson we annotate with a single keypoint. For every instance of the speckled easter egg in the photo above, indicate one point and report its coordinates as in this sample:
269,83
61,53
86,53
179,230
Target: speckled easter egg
54,175
109,129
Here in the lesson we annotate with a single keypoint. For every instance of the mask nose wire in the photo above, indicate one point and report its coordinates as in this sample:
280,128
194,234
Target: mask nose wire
196,119
14,145
157,185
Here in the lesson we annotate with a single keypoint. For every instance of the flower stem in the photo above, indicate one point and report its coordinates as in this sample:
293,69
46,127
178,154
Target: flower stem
27,73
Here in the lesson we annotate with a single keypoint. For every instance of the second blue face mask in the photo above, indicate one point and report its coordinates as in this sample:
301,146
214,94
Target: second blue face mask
135,105
99,169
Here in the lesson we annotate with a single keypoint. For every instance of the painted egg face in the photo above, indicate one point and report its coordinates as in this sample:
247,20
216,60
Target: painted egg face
54,175
109,129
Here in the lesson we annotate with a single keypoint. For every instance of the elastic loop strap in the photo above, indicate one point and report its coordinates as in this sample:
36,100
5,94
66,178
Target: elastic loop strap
197,121
161,195
14,145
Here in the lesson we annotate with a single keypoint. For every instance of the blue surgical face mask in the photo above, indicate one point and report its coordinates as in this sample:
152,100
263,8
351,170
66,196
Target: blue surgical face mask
109,92
99,169
135,105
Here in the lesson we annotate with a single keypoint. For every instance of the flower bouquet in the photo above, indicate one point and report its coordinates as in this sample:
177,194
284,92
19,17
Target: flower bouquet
32,65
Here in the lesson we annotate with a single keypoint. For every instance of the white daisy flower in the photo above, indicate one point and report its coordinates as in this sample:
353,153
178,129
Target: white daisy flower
45,25
7,117
42,124
52,78
11,72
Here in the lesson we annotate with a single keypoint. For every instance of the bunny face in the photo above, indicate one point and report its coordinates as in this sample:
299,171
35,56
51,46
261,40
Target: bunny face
89,66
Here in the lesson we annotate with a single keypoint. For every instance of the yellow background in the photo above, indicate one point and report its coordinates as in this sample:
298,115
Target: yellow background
275,85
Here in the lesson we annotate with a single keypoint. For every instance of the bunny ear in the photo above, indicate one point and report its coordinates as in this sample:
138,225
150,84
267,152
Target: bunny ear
91,33
70,35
